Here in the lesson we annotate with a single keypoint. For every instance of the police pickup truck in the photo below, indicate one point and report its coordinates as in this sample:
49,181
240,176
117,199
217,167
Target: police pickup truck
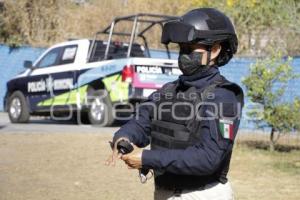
90,77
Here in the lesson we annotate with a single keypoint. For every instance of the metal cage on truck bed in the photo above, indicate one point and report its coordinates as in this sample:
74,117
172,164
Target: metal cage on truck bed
149,19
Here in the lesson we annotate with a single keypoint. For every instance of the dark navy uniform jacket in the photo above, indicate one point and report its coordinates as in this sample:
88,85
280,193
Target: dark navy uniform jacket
200,159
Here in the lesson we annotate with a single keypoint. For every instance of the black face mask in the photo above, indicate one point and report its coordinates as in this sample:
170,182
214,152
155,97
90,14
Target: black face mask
190,62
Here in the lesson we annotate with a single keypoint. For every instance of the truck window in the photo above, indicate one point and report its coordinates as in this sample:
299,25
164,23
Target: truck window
99,51
59,56
116,50
68,55
50,58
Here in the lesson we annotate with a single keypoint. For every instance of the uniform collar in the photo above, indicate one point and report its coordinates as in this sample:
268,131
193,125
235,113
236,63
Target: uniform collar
199,79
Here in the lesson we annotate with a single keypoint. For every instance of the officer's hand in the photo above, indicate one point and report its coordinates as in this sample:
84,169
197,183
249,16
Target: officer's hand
111,160
133,159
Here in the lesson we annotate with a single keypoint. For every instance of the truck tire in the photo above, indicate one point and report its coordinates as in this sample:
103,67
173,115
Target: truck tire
18,110
100,109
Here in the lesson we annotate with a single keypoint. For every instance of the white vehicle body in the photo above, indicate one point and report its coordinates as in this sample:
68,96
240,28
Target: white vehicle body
66,74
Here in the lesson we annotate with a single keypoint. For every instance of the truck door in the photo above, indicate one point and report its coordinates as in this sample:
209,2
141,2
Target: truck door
56,72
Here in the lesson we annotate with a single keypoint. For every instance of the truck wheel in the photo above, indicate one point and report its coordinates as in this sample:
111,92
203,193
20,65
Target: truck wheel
100,109
18,110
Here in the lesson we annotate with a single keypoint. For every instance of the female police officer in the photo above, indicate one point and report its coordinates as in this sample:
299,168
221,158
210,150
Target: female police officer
192,122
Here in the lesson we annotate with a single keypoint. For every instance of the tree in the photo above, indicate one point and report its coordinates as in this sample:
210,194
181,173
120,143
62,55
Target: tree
259,24
266,85
30,22
262,24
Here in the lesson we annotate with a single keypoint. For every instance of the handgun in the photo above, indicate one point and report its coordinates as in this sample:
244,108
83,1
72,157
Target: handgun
124,147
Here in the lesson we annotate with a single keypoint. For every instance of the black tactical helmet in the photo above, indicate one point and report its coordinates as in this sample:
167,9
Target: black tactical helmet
205,26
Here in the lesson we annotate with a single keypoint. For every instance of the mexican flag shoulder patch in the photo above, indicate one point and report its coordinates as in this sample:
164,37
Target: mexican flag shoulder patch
226,128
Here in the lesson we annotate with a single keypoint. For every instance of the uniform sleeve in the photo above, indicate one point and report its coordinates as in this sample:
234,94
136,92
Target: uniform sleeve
205,157
138,129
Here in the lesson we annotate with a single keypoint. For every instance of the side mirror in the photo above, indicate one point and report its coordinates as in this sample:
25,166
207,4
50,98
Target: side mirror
28,64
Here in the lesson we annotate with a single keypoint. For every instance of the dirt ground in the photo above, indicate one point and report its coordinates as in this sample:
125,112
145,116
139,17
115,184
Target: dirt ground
71,166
